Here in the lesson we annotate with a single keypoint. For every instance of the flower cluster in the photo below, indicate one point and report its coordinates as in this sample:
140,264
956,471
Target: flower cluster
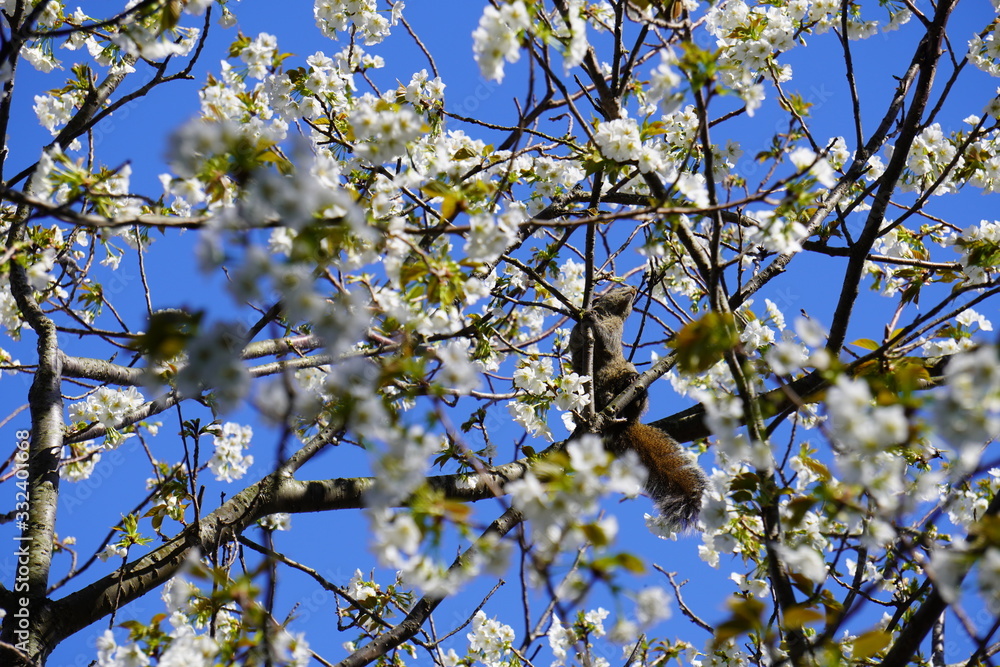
866,434
553,176
588,626
397,539
806,160
564,512
490,640
931,154
490,236
776,233
984,51
571,30
213,364
458,372
107,407
424,91
259,55
662,91
897,243
53,112
383,132
228,463
148,41
978,245
196,639
968,414
279,521
79,461
619,139
751,38
403,465
10,315
497,38
543,388
333,16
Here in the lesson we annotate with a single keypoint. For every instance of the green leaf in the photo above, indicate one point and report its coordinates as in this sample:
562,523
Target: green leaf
746,616
799,507
463,153
609,564
869,644
595,534
631,563
817,468
799,616
171,15
436,189
297,75
274,157
167,334
703,343
796,103
236,48
866,343
450,206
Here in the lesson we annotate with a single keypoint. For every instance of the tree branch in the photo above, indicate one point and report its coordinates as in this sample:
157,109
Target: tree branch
925,59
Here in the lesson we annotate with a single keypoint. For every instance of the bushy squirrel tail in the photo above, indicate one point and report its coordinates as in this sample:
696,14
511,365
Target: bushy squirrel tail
675,481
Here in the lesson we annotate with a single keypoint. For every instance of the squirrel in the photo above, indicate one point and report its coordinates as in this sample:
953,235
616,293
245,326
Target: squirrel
675,482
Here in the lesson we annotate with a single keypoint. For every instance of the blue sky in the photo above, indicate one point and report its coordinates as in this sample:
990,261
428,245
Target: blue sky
333,542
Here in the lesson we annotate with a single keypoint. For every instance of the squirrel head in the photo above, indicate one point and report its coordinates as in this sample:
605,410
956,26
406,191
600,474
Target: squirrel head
615,303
